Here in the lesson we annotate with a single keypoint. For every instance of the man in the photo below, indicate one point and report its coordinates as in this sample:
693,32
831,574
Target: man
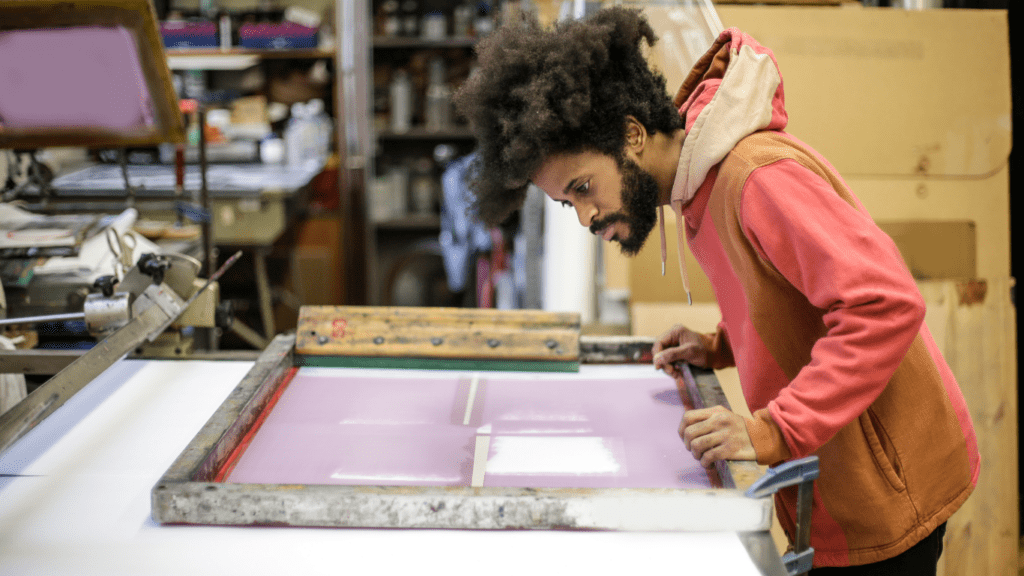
819,313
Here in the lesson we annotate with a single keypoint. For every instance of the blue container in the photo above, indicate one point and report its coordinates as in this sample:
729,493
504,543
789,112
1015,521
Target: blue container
286,35
189,34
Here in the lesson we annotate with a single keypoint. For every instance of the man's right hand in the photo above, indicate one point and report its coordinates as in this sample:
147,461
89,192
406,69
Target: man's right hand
679,344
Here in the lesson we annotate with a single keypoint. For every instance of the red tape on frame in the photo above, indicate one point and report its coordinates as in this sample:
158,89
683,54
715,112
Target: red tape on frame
232,460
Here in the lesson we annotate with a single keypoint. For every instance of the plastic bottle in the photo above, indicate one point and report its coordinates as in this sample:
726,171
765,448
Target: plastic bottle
392,21
439,98
423,193
484,22
225,30
401,101
298,136
410,18
434,26
462,19
324,129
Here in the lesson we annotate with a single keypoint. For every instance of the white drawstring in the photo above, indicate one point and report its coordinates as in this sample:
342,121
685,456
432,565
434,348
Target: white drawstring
681,233
664,247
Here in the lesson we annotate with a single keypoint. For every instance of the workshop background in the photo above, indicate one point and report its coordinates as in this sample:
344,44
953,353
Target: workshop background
330,123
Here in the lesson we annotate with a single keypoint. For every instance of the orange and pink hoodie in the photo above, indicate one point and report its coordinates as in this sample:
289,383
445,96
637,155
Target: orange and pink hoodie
821,317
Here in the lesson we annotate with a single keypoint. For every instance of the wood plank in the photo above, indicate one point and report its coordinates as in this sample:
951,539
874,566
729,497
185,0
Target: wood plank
642,509
974,325
459,364
422,332
791,2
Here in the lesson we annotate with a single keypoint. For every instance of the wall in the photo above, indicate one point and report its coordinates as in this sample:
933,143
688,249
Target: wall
900,103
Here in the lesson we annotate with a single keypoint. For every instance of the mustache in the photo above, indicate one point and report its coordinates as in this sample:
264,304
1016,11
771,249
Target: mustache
598,225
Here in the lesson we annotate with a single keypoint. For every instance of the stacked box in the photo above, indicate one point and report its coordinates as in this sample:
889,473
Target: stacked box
180,34
282,35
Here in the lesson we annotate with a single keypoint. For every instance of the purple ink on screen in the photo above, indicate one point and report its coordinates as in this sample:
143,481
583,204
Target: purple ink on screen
81,77
358,427
360,430
613,433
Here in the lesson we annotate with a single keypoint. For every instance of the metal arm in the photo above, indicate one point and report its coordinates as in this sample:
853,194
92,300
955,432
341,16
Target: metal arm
152,312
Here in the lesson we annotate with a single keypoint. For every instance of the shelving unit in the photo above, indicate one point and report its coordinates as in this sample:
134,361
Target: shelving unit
260,52
421,43
426,223
235,58
310,244
414,134
403,222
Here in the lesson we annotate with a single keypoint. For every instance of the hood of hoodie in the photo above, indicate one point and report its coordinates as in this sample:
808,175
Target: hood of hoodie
735,89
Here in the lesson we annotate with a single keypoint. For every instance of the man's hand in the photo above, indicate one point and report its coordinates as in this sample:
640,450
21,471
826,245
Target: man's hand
714,434
679,344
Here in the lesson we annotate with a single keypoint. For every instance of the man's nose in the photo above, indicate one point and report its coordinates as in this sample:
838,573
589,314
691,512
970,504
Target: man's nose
586,213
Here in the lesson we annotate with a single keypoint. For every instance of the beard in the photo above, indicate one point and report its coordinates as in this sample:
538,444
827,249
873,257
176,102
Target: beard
639,207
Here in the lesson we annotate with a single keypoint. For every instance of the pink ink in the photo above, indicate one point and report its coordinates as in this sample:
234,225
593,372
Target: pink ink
338,328
358,427
88,76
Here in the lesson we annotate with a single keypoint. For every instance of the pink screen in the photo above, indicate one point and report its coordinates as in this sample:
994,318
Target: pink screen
72,77
340,426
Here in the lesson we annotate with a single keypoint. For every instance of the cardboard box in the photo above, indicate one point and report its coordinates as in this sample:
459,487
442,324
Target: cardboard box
249,110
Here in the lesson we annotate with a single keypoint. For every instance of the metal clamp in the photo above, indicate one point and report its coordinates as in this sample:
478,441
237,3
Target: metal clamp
802,473
105,314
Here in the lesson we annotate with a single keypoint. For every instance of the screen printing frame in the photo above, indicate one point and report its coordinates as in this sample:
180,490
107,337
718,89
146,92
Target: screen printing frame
138,17
189,493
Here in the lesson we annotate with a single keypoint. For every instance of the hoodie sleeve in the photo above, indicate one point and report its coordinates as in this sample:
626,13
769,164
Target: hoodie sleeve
835,255
719,351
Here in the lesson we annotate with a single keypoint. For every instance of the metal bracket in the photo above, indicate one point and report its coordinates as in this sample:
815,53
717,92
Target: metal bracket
162,297
44,400
152,312
798,562
801,473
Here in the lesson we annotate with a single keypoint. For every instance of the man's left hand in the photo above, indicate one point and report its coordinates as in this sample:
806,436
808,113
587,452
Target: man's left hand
713,434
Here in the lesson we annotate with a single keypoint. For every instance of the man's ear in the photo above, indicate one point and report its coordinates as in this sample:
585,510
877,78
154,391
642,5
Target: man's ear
636,136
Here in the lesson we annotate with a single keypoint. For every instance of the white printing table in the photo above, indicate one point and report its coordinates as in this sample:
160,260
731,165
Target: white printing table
75,499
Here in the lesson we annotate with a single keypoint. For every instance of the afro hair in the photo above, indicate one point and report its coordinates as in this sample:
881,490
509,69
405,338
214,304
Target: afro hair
541,91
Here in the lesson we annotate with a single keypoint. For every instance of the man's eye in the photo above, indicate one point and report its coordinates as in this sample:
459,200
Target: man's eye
582,188
566,204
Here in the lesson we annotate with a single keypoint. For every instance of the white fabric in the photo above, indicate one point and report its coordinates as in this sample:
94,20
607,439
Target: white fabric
79,504
12,386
